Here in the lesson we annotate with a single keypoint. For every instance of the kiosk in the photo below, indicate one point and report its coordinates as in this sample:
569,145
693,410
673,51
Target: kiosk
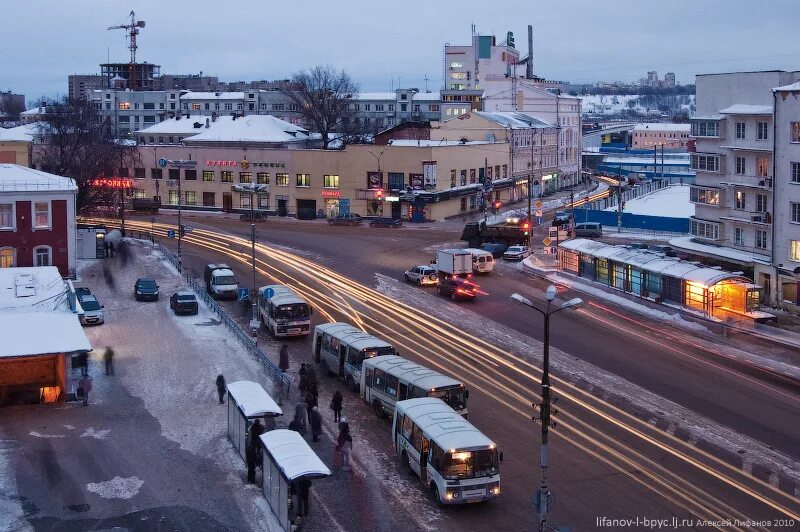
248,401
287,458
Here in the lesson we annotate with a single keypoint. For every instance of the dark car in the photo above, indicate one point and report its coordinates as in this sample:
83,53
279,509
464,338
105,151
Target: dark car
183,302
562,218
82,291
495,248
457,288
386,222
346,219
666,250
255,216
145,289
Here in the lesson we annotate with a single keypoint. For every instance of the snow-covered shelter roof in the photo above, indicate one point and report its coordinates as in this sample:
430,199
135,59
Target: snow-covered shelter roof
444,425
23,133
191,95
709,276
513,119
293,455
252,400
252,128
747,109
411,372
16,178
793,87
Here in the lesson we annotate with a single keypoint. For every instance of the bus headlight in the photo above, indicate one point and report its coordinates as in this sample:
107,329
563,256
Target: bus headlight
450,495
495,490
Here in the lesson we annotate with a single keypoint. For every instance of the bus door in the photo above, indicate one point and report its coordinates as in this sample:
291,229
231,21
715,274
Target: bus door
317,347
403,392
423,458
342,356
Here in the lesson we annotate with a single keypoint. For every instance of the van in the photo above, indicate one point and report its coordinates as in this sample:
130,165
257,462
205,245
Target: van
482,260
590,229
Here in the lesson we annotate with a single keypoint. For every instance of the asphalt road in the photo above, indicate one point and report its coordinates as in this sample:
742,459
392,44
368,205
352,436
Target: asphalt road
590,481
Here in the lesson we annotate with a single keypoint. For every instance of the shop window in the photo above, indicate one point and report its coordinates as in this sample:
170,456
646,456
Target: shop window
208,199
263,201
244,201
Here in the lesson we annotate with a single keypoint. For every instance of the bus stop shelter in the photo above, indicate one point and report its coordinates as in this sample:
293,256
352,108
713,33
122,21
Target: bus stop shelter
287,458
248,401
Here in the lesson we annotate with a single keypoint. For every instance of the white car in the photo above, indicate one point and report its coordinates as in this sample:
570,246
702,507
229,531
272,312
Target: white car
517,253
92,311
422,275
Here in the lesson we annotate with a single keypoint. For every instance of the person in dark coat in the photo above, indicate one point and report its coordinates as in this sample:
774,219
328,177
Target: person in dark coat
303,379
105,247
111,249
311,376
336,406
221,388
251,458
256,430
311,400
303,488
315,420
296,425
108,358
301,415
84,387
283,358
83,362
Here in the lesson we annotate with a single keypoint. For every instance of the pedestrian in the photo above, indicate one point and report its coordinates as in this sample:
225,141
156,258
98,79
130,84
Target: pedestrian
344,444
108,358
221,388
84,362
109,279
251,458
303,487
105,248
303,381
315,420
296,425
123,252
301,413
256,430
111,249
84,387
311,376
283,358
311,400
336,406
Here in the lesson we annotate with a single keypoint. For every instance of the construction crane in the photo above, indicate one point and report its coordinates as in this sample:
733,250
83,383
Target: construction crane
133,31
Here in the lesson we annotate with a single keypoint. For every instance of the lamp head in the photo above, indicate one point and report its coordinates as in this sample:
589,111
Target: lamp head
551,292
574,303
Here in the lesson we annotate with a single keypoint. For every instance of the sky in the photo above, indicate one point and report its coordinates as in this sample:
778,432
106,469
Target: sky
384,45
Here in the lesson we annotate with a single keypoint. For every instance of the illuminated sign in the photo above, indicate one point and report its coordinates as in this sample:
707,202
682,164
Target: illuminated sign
112,182
268,164
222,163
331,193
429,173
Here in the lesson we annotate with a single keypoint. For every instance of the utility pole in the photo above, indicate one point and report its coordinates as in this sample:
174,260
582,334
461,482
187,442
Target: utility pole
619,199
252,188
180,226
486,196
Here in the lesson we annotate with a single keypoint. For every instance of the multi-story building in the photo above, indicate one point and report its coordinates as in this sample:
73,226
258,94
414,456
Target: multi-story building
660,135
129,111
733,190
37,219
468,67
786,197
11,105
669,80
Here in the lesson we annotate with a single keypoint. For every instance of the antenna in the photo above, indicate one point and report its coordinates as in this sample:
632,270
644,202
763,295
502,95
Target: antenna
426,82
133,31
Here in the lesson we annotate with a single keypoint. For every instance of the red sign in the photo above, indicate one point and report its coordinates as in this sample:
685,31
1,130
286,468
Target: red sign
112,182
222,163
331,193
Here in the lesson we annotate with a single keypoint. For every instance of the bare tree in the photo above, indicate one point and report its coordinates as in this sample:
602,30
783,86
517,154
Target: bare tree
11,105
324,96
74,140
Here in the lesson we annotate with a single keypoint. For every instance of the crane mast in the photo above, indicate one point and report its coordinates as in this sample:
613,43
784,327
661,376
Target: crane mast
133,31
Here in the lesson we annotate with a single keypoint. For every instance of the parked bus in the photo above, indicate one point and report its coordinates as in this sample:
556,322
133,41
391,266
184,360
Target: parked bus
283,312
341,349
390,378
451,457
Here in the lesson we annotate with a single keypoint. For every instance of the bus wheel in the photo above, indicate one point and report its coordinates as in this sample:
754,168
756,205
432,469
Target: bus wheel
406,464
379,410
352,384
436,498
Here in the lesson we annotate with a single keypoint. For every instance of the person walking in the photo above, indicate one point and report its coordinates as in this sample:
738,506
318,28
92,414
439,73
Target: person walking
344,444
283,358
296,425
84,387
251,458
303,488
303,381
83,361
221,388
336,406
311,400
301,413
315,420
105,247
111,249
108,358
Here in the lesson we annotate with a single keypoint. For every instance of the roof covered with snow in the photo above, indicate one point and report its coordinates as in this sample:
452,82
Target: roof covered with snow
433,143
444,425
375,96
34,111
411,372
212,95
513,119
16,178
23,133
671,202
793,87
660,126
747,109
179,125
688,243
292,454
252,400
426,96
252,128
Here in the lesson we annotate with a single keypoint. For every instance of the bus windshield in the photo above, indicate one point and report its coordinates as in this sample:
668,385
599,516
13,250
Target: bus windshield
296,311
454,396
470,464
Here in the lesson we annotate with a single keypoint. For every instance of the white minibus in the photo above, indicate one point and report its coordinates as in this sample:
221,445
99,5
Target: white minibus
482,260
341,349
283,312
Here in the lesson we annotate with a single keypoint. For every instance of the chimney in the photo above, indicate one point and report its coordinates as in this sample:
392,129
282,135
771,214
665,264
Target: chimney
208,123
529,64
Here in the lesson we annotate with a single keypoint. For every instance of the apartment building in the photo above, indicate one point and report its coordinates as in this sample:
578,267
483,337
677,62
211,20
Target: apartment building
658,135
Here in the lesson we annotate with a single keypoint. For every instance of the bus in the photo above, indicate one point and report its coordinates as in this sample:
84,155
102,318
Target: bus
341,349
283,312
450,456
387,379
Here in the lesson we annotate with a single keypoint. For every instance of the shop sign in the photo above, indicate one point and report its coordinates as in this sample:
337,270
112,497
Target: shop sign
416,181
268,164
331,193
374,180
222,163
429,173
112,182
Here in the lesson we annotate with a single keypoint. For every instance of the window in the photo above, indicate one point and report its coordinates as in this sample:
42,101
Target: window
174,174
156,173
463,204
330,181
136,106
41,215
705,129
173,197
226,176
263,201
379,107
761,203
404,96
282,180
303,180
740,166
397,181
138,173
738,236
433,108
245,177
366,107
161,105
208,199
795,212
795,131
762,166
795,172
740,130
262,178
7,216
463,178
139,193
190,175
124,106
42,256
762,131
472,176
709,163
452,178
705,229
244,201
208,175
704,195
238,107
190,197
229,107
741,199
172,107
404,106
6,257
505,170
794,250
761,239
456,64
458,75
277,107
391,107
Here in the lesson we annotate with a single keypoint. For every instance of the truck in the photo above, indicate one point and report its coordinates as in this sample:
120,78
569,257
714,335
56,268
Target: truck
451,262
283,312
221,281
508,234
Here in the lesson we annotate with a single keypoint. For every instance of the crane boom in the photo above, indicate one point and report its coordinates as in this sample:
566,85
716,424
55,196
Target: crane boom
133,31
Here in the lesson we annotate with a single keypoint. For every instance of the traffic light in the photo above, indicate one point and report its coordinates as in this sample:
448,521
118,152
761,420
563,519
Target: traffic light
496,205
182,229
526,226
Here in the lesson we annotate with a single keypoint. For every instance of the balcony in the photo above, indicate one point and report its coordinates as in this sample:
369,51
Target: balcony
747,181
762,219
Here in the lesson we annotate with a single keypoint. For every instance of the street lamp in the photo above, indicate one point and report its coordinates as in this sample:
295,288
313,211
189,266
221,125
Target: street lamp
252,188
543,495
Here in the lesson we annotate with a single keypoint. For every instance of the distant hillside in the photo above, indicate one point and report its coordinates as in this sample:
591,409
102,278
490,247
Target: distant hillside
676,107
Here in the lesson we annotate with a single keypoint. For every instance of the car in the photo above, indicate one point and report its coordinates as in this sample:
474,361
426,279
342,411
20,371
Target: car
145,289
346,219
82,291
590,229
183,302
637,245
92,310
457,288
422,275
517,253
562,218
495,248
255,216
386,222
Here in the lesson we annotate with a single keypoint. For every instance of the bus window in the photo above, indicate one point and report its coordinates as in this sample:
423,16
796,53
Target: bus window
403,392
416,393
379,380
416,438
355,357
368,377
408,425
292,312
391,385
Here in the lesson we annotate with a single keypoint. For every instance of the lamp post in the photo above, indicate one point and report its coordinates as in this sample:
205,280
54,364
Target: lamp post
378,158
542,498
252,188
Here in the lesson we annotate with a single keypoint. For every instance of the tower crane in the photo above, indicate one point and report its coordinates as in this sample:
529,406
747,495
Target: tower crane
133,31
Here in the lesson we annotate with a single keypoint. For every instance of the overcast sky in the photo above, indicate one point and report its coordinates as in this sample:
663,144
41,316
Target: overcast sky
377,42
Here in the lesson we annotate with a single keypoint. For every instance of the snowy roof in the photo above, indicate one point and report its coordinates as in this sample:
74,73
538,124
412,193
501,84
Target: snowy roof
670,202
35,111
282,295
513,119
444,425
793,87
375,96
709,276
736,255
660,126
747,109
433,143
411,372
16,178
427,96
23,133
292,454
212,96
192,124
350,335
252,128
252,400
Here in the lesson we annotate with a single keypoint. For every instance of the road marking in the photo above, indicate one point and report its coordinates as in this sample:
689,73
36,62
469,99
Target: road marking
322,504
38,435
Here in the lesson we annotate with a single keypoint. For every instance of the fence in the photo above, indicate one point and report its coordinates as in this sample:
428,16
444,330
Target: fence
634,221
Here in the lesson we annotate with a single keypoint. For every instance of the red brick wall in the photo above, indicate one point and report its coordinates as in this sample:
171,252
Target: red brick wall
25,239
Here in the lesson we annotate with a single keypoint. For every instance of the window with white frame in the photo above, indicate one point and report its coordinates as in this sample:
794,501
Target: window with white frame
740,165
741,199
330,181
762,166
6,216
41,215
795,173
7,256
282,180
795,131
190,197
761,203
303,180
794,250
173,197
707,162
705,196
43,256
738,236
795,212
705,229
740,130
762,131
761,239
705,129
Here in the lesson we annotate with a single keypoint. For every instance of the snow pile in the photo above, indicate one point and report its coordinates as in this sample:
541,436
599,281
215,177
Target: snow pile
672,202
117,488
